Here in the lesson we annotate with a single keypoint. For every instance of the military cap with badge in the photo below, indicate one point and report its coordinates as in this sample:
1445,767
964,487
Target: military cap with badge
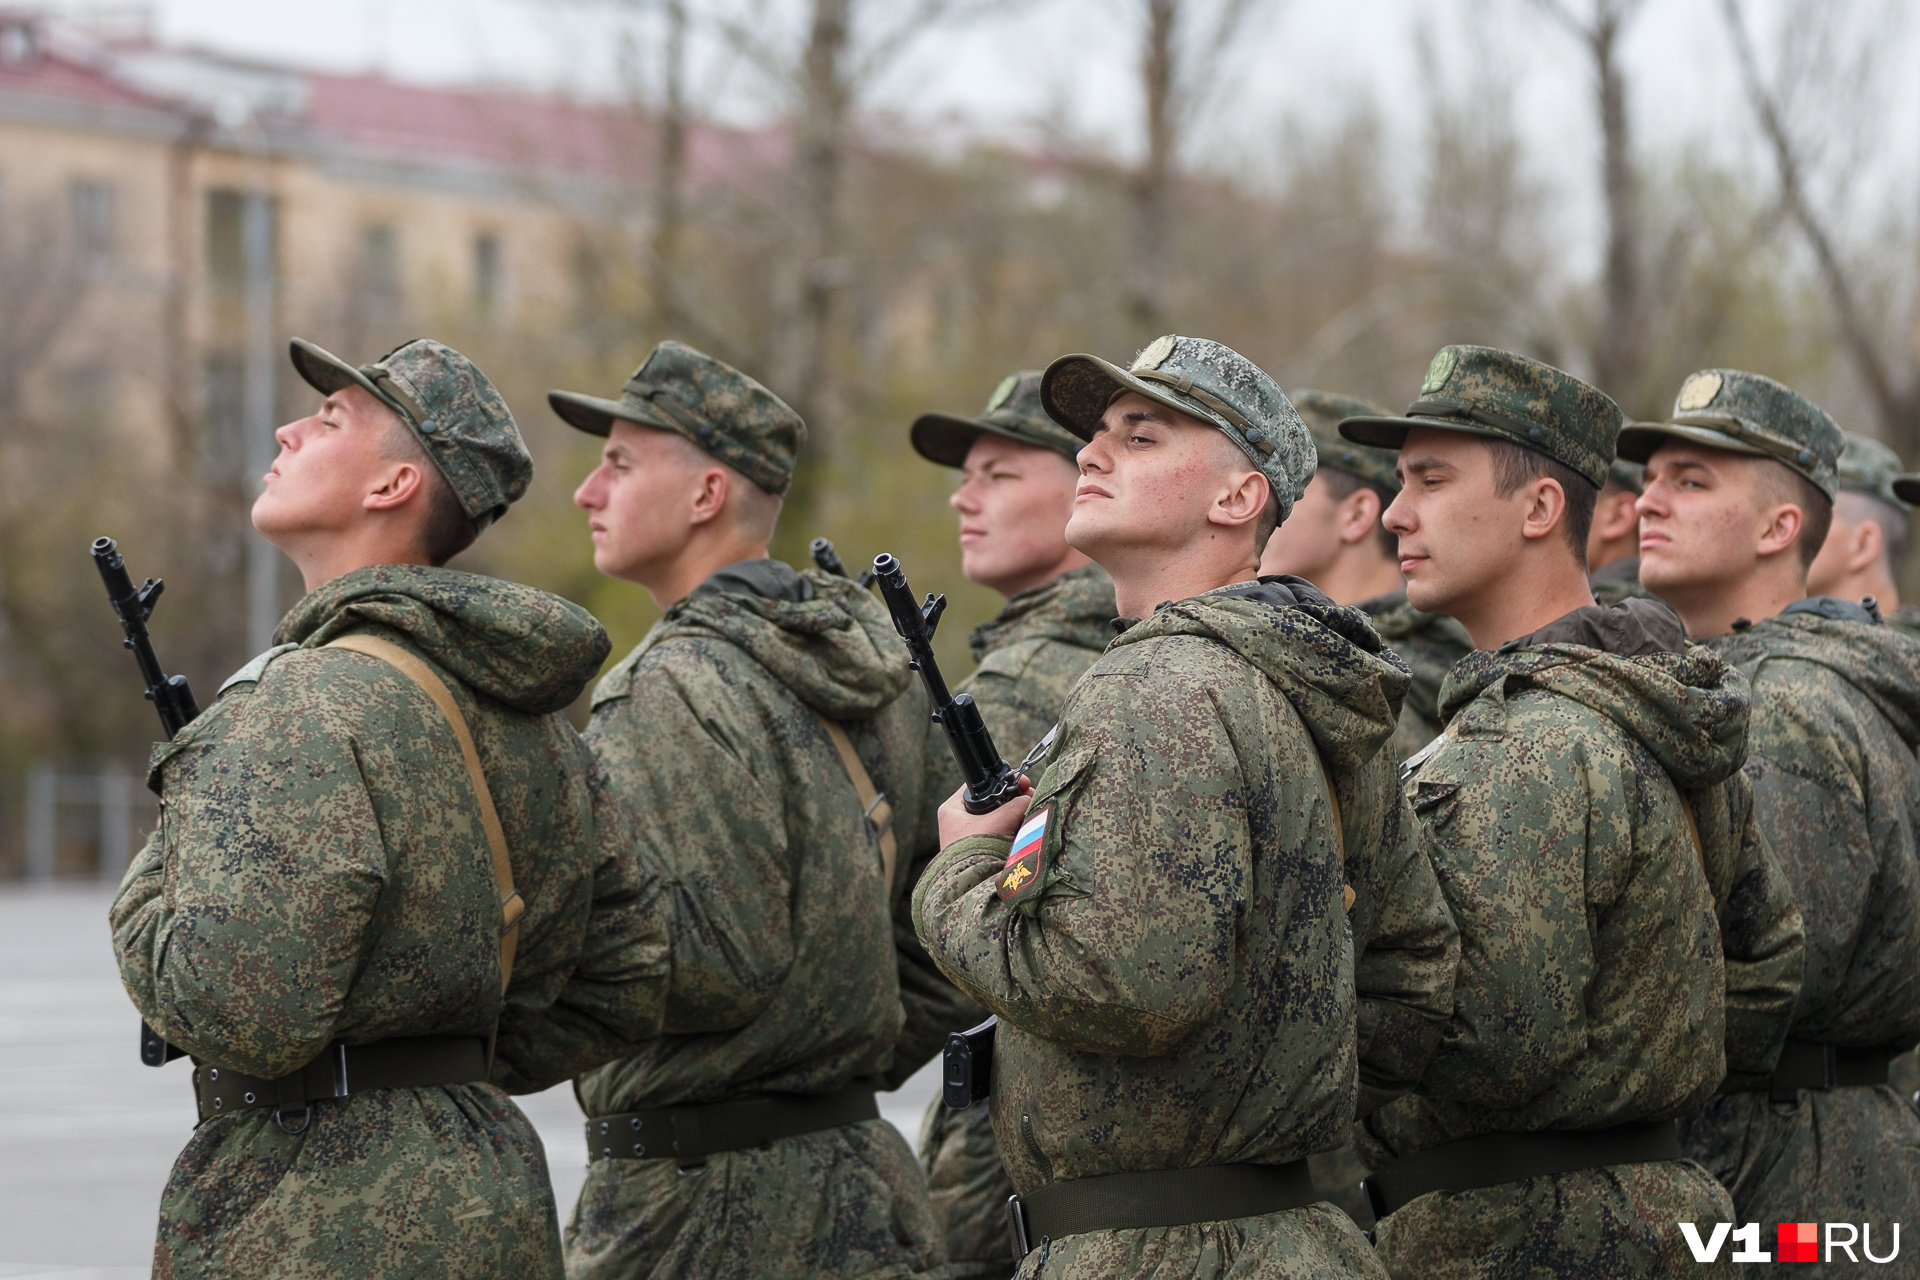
1739,412
1323,411
1013,411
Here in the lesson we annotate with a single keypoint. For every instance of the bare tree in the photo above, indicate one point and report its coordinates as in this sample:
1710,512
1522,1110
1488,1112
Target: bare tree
1893,385
1619,353
670,183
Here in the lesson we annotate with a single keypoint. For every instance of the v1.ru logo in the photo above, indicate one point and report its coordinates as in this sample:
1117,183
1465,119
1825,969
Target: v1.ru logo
1797,1242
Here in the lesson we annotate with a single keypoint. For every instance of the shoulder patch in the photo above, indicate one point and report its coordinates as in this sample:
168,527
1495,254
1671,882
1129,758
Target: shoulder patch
255,668
1025,868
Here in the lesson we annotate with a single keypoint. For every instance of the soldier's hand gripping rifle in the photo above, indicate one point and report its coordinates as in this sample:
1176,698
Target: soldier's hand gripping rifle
169,695
966,1065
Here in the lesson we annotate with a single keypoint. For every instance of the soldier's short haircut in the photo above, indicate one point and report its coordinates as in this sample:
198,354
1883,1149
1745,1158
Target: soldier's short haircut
1775,483
756,511
446,530
1269,520
1343,486
1861,507
1514,466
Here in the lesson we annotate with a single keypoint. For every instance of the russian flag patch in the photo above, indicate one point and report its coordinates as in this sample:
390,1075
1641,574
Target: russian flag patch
1023,865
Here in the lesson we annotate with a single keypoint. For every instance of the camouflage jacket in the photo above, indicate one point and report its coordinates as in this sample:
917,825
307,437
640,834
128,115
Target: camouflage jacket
1592,987
1429,643
785,970
1836,715
1167,948
1617,581
1906,617
320,872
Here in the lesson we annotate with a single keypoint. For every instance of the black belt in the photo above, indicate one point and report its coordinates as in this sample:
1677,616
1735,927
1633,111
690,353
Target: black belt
403,1062
1495,1158
691,1134
1158,1198
1809,1064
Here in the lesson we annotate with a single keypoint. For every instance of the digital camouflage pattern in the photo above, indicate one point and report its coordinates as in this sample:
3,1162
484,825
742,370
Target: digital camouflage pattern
1030,655
1618,581
1487,392
451,408
1430,644
1869,467
320,874
1836,716
1176,983
786,971
1202,379
1742,412
1013,411
1905,618
1609,971
1323,411
709,402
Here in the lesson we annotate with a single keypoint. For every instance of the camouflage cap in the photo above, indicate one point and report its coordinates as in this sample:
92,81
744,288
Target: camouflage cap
1484,391
1013,411
1322,411
451,408
1204,380
1869,467
1741,412
1631,476
717,407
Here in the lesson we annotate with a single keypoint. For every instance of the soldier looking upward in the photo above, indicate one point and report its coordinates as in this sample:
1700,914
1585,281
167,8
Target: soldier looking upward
1335,540
1598,997
319,919
1163,931
1017,478
1740,491
763,736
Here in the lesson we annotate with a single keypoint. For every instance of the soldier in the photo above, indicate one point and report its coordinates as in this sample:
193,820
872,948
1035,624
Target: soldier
382,822
1740,486
763,736
1335,540
1162,932
1868,535
1613,544
1017,478
1585,747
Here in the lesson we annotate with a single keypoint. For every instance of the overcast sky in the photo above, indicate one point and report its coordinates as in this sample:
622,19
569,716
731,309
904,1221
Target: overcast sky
1072,60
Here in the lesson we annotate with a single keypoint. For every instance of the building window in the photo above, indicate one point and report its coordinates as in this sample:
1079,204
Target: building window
489,275
380,263
227,213
92,211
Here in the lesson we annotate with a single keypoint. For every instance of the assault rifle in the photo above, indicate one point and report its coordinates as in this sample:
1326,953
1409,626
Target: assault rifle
169,695
829,561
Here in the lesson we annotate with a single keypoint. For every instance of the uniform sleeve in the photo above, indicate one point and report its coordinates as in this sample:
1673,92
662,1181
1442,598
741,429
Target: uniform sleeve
1761,934
614,997
1123,942
680,754
240,927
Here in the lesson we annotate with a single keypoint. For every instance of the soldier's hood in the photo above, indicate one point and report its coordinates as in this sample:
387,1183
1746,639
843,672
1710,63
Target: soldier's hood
1076,608
1880,661
1395,618
1325,658
1632,664
828,641
527,648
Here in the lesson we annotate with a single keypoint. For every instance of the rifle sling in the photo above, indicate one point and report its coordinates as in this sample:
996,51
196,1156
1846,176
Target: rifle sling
873,802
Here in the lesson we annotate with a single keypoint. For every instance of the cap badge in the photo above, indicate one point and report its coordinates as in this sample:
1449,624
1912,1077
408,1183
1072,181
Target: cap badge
1438,372
1698,392
1002,392
1156,353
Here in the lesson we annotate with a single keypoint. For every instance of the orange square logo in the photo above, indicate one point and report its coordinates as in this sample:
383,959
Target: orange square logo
1799,1242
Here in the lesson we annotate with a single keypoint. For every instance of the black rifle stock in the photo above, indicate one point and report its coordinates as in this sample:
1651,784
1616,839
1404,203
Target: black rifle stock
169,695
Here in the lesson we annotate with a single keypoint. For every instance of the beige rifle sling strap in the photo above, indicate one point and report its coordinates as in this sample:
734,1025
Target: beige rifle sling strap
1339,831
511,905
1693,829
878,809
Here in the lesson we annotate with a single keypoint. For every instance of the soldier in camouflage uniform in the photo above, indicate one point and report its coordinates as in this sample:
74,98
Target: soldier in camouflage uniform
1613,543
1163,936
1016,491
1624,937
1739,489
1353,486
766,738
1868,536
319,919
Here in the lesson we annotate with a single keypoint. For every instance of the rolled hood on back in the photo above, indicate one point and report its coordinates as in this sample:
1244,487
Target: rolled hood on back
1075,608
837,652
1882,662
1688,708
1325,658
524,647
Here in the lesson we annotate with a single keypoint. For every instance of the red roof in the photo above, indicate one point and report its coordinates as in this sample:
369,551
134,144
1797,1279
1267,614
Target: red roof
49,75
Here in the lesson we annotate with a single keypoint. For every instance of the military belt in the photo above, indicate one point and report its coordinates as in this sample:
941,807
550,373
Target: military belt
1810,1064
1158,1198
689,1135
341,1069
1495,1158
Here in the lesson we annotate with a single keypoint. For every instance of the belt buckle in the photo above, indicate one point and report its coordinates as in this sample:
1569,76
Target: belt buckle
1017,1220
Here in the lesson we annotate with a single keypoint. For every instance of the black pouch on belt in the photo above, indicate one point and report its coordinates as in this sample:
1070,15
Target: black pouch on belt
966,1065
